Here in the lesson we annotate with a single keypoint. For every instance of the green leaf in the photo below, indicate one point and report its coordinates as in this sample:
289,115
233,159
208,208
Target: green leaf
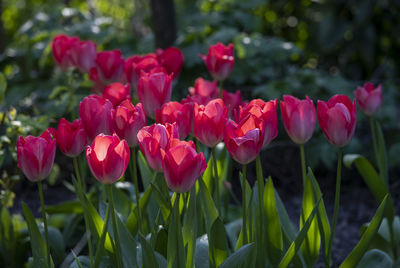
57,244
294,247
207,205
68,207
176,250
3,87
57,91
272,225
132,221
208,176
128,244
37,243
218,244
287,225
148,256
201,253
375,258
83,260
145,171
190,228
362,246
239,257
163,201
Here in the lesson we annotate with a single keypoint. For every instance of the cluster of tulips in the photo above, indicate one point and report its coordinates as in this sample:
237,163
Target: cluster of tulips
111,127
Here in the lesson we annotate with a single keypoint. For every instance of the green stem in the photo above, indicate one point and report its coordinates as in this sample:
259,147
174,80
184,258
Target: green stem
220,82
85,216
260,222
100,245
244,228
337,201
114,223
374,141
216,180
46,232
303,164
177,222
133,171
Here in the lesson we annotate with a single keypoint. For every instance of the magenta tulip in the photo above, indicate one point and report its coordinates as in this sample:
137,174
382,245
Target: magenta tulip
369,97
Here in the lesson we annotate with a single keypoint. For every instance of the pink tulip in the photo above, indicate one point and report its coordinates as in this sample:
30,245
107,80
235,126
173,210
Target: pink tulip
232,100
203,91
83,55
108,158
35,155
136,64
61,48
154,89
171,59
369,97
128,121
337,119
71,137
98,84
117,93
219,61
96,115
175,112
209,122
154,140
110,66
298,118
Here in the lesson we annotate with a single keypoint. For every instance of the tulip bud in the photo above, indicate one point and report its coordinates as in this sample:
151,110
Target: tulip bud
204,91
96,115
108,158
154,89
171,59
71,137
154,140
369,97
219,61
35,155
182,166
110,66
337,119
136,64
128,121
298,118
61,48
117,93
175,112
83,55
209,122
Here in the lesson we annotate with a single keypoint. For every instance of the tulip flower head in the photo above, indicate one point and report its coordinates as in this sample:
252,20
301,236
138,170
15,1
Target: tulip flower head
203,91
35,155
117,93
98,84
154,140
129,119
175,112
71,137
298,118
209,122
232,100
182,166
61,48
83,55
337,119
369,97
110,66
108,158
219,61
171,59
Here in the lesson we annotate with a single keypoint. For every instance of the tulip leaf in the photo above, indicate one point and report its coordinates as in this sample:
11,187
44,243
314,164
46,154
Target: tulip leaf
3,87
132,221
218,243
296,244
68,207
148,254
382,155
273,234
162,200
208,175
145,171
122,203
190,228
37,243
375,258
207,204
246,187
239,257
80,262
287,226
176,250
362,246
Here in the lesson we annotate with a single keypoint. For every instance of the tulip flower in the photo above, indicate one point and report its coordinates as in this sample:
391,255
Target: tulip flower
203,91
182,166
110,66
117,93
369,97
108,158
71,137
98,84
154,140
298,118
244,140
337,119
61,48
175,112
35,155
128,121
154,89
171,59
219,61
83,55
96,115
136,64
232,100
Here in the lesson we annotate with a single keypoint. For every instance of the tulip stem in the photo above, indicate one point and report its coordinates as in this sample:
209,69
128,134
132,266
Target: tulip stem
133,170
374,143
303,165
220,82
244,227
216,180
46,232
337,201
85,217
114,224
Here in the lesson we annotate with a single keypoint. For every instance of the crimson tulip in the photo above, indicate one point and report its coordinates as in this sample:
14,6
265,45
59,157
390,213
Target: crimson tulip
35,155
71,137
61,48
209,122
98,84
337,119
182,166
108,158
232,100
96,115
175,112
136,64
171,59
154,89
219,61
244,140
298,118
203,91
154,140
128,121
110,66
117,93
369,97
83,55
